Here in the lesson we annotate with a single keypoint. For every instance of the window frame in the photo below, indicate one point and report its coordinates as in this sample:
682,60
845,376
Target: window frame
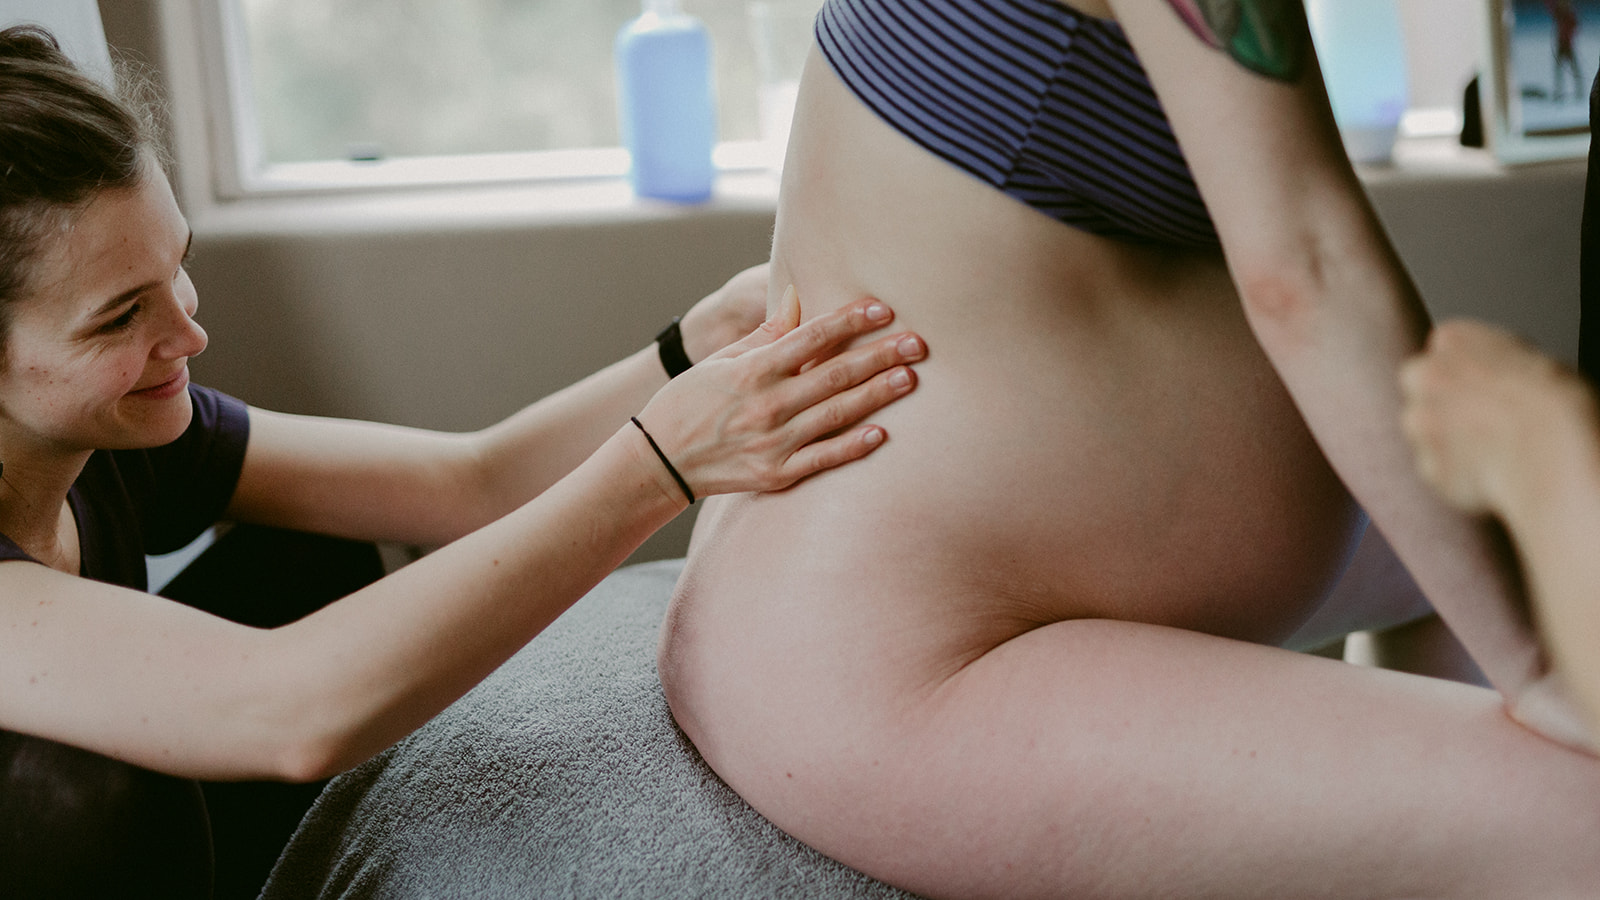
238,171
213,136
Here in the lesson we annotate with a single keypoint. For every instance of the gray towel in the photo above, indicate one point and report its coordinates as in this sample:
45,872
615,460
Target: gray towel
562,775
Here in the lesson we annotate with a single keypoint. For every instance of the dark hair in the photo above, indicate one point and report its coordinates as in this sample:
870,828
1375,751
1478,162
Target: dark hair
64,138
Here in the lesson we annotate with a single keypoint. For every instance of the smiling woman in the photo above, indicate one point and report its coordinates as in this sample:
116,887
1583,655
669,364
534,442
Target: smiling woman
122,362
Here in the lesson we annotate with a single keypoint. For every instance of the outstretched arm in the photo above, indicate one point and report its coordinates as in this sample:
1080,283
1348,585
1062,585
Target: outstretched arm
167,687
380,482
1500,429
1335,311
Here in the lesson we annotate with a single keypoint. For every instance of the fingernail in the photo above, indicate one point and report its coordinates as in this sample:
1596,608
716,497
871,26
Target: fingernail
873,437
909,347
877,312
899,379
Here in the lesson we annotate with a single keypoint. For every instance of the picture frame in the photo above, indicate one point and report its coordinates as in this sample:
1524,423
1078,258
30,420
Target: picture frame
1540,58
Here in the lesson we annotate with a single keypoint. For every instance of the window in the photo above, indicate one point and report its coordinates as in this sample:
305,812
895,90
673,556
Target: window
453,90
322,80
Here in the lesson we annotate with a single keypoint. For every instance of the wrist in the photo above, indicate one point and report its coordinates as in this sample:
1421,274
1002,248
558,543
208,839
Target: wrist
670,349
653,462
666,463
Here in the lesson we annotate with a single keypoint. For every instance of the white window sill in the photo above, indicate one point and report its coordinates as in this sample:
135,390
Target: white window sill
526,204
529,190
414,195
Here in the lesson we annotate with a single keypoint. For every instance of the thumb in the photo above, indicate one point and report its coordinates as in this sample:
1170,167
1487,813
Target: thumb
788,310
782,320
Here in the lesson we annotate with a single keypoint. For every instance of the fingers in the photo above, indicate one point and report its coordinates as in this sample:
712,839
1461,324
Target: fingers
846,408
786,401
1413,411
840,391
821,336
788,311
834,451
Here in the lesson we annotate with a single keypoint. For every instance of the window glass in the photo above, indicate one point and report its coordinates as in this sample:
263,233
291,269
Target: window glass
338,79
342,79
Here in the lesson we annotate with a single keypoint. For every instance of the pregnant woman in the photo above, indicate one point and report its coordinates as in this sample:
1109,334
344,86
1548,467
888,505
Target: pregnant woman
1029,648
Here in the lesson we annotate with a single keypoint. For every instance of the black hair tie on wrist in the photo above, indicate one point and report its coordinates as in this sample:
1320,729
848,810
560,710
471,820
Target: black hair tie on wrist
669,344
664,461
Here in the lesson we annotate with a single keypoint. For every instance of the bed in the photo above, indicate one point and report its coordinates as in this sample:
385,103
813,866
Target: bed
561,775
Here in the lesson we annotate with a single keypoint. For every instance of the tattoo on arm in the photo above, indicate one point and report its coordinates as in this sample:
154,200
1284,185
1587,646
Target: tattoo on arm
1265,36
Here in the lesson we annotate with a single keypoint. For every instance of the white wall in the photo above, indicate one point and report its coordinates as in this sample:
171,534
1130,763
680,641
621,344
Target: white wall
75,24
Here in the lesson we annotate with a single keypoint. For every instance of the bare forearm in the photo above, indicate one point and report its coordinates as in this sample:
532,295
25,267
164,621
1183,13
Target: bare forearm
749,419
528,452
1338,345
379,482
432,630
167,687
523,455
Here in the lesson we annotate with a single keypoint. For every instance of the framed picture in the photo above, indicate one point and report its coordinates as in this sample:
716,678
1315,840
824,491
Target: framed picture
1541,57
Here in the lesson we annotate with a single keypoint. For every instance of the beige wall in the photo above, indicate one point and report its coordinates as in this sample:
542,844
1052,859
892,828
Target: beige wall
451,310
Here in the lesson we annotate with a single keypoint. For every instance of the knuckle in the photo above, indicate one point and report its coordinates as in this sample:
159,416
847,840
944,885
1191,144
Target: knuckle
888,354
835,416
769,473
836,378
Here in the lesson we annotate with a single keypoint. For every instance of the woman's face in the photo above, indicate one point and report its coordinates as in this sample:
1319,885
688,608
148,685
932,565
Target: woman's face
98,350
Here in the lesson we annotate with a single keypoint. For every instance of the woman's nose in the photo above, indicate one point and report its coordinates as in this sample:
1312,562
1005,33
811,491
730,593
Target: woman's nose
184,336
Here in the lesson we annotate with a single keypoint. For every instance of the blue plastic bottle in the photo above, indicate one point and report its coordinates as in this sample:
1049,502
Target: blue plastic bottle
664,96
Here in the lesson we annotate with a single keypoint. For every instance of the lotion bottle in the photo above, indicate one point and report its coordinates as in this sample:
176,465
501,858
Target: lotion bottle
666,103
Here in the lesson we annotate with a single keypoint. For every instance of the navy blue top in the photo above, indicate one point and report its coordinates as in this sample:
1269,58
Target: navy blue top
132,502
1043,103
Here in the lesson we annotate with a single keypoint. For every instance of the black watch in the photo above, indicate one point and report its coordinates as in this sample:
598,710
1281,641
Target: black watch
670,343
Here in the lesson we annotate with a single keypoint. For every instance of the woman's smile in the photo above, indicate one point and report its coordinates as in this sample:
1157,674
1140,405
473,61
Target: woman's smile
172,386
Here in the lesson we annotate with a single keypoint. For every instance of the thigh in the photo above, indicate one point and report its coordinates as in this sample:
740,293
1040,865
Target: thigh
1098,758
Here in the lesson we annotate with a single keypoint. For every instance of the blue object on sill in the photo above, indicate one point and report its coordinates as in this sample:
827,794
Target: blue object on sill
664,97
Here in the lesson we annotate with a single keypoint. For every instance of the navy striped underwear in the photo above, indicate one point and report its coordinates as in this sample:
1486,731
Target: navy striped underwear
1046,104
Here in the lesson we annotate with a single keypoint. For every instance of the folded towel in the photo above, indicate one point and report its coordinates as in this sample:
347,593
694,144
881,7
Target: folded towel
562,775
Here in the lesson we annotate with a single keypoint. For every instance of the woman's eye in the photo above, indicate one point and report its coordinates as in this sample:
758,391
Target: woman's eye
124,320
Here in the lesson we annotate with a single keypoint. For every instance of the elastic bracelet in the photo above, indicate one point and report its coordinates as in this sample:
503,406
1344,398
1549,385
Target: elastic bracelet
664,461
669,345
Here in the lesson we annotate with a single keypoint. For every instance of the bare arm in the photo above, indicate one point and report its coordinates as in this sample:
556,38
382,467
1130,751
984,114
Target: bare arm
1336,313
381,482
1500,429
173,689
